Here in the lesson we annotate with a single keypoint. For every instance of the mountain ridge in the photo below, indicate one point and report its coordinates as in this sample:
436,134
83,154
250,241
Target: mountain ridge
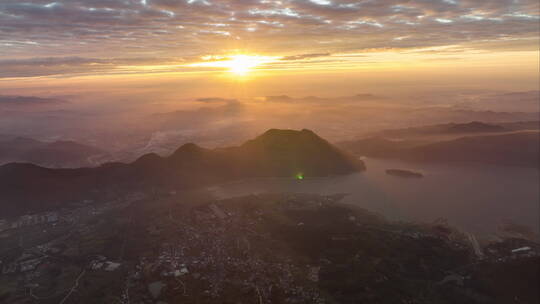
520,148
276,153
472,127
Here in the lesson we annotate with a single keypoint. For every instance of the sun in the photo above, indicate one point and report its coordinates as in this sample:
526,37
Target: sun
242,64
238,65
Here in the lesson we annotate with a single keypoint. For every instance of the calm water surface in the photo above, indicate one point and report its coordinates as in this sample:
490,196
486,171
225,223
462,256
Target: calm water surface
476,198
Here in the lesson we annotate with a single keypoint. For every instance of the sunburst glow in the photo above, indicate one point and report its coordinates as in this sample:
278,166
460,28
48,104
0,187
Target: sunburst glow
242,64
239,65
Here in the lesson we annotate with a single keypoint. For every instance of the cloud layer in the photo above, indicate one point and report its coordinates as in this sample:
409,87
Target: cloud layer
24,101
179,30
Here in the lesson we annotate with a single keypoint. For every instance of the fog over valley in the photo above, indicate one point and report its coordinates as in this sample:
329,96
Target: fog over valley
137,125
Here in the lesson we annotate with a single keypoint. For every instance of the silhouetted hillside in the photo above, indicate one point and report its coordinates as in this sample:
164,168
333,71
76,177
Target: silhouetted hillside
516,148
521,125
520,149
474,127
276,153
457,129
288,152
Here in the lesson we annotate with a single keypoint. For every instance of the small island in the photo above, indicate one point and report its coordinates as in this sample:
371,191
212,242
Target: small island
404,173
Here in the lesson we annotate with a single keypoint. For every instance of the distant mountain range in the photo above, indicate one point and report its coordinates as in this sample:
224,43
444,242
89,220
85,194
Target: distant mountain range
517,149
474,127
276,153
515,144
58,154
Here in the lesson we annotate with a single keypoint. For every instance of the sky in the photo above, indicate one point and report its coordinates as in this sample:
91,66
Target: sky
67,38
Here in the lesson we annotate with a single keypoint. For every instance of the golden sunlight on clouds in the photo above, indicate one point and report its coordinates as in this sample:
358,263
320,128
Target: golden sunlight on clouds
239,65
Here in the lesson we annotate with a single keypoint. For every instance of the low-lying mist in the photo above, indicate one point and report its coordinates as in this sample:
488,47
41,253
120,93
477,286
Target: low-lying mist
128,126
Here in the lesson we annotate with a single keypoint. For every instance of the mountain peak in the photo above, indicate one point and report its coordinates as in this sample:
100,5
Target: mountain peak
189,148
286,152
147,158
276,153
281,132
475,126
278,136
187,152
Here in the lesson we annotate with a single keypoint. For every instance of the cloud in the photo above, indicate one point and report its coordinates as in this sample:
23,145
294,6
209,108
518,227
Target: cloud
216,100
220,121
280,98
21,101
366,96
512,102
305,56
45,66
342,100
102,29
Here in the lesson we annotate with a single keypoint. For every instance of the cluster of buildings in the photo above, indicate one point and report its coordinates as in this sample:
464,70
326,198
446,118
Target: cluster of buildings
512,249
214,248
101,263
84,208
220,250
26,262
64,221
29,220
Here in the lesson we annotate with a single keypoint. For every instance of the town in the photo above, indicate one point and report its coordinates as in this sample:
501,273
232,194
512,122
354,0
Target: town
272,248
